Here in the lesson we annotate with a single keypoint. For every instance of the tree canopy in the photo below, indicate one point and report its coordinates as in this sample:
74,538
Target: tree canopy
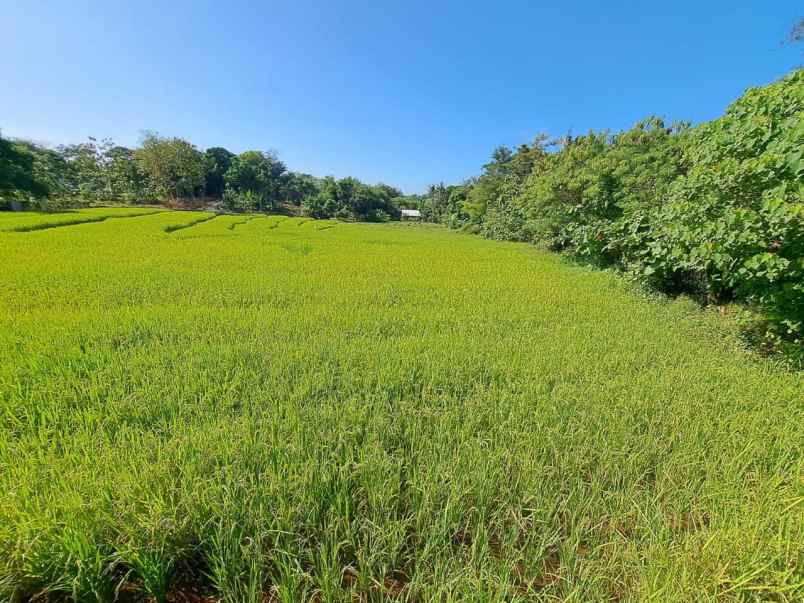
218,162
175,167
254,180
17,171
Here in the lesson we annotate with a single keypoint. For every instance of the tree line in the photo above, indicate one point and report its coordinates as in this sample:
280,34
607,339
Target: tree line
715,211
166,169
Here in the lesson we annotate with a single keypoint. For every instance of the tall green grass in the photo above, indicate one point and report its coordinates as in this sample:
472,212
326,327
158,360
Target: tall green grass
28,221
294,412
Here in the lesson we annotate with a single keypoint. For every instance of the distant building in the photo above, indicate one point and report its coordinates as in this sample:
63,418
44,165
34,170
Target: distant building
413,214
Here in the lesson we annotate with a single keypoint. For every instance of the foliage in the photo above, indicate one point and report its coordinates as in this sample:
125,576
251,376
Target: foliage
734,225
254,181
444,204
172,169
175,168
84,173
596,196
96,171
349,198
243,201
17,177
124,181
218,162
297,187
504,216
486,189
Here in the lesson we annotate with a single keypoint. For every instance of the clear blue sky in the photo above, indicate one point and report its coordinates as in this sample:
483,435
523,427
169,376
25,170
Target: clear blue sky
407,93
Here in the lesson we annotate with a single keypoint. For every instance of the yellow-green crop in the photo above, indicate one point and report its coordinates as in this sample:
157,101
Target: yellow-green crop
28,221
266,407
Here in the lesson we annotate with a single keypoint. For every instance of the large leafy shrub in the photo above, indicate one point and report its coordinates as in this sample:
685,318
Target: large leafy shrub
573,196
733,227
505,214
598,194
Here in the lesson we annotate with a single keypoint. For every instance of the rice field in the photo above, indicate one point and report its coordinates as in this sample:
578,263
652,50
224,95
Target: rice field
247,409
28,221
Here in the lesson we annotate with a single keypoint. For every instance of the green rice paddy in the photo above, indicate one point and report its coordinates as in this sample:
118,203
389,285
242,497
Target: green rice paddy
246,409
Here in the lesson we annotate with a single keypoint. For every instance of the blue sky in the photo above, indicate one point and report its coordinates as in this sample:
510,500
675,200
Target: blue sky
408,93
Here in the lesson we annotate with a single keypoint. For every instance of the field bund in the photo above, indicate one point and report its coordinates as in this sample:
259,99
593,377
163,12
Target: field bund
267,408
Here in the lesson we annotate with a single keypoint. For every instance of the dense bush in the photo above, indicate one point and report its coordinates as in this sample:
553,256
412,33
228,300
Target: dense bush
443,204
349,198
17,179
598,195
253,181
735,222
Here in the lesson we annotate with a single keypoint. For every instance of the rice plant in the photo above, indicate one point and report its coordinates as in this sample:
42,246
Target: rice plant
266,410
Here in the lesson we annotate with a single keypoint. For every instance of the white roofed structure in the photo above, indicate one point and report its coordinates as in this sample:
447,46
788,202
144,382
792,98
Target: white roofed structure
411,213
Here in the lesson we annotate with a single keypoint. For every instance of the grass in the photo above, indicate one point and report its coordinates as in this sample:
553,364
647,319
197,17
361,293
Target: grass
373,412
28,221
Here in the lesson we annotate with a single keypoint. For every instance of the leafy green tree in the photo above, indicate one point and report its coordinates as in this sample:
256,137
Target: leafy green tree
388,191
355,197
218,160
17,170
53,172
504,216
487,187
488,200
298,187
89,173
435,205
254,179
96,170
123,179
17,178
572,195
325,203
175,168
443,204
